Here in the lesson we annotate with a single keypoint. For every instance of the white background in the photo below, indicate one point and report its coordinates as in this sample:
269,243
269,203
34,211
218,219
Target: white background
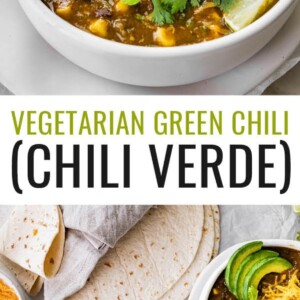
143,183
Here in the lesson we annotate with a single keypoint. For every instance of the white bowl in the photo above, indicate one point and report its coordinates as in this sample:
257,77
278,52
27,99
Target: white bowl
7,277
209,276
156,66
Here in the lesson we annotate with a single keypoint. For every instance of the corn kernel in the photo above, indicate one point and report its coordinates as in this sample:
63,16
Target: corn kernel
215,291
121,7
165,36
99,27
64,12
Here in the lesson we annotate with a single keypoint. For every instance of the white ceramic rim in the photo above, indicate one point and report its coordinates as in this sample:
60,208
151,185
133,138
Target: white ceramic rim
7,281
95,42
219,268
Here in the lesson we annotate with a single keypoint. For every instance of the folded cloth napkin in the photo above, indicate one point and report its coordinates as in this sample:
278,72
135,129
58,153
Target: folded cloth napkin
92,230
244,223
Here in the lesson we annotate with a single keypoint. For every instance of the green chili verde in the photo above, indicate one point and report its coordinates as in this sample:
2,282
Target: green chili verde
147,22
132,24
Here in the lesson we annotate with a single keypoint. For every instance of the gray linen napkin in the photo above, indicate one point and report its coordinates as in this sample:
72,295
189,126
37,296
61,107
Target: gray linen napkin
244,223
92,230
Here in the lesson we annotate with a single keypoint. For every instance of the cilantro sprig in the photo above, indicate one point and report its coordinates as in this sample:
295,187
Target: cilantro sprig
225,5
160,14
164,10
175,6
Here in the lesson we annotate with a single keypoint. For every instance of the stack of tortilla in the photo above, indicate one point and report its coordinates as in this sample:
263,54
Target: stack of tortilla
160,258
31,244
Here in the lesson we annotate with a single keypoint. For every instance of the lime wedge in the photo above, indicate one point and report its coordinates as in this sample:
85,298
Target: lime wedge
245,12
296,209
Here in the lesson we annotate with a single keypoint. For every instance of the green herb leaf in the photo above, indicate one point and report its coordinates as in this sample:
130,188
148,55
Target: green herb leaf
225,5
175,6
131,2
196,3
160,15
139,17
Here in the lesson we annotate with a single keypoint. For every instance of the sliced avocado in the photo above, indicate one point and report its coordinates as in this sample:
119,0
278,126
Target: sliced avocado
253,293
246,266
261,269
236,259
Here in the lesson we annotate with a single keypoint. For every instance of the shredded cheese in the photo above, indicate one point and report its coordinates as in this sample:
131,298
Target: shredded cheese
282,289
6,292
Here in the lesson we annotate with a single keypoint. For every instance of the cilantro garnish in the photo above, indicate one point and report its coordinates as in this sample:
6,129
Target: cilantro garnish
225,5
175,6
160,15
163,10
196,3
131,2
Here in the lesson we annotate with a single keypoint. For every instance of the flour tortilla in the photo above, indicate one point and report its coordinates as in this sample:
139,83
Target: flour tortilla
108,281
183,287
150,259
175,239
33,238
36,288
216,214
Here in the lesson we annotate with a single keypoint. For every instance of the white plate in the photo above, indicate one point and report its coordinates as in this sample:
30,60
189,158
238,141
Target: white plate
224,257
29,66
